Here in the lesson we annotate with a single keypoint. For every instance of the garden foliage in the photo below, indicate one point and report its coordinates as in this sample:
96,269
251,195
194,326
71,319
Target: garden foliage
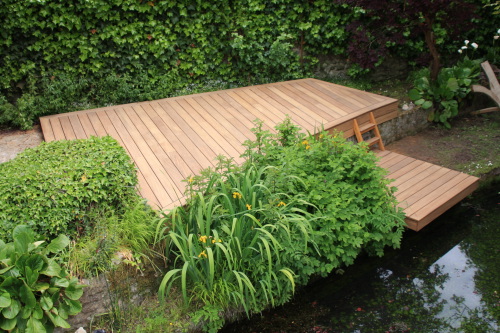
52,187
300,206
36,294
443,96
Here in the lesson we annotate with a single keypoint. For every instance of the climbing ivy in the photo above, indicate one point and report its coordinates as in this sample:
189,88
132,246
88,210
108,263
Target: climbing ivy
223,39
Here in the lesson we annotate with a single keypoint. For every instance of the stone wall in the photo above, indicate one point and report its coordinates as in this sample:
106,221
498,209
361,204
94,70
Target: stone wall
409,122
331,66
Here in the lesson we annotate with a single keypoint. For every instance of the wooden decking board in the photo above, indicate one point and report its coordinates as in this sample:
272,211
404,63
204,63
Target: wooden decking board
143,113
323,98
86,125
280,102
172,139
425,190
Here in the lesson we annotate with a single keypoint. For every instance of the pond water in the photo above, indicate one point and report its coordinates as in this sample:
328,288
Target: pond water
445,278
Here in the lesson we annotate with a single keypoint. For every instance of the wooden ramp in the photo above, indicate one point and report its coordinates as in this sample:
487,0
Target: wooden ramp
425,190
172,139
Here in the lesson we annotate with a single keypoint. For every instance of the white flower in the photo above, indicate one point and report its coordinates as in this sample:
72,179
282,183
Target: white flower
459,51
498,31
464,47
474,45
496,37
466,41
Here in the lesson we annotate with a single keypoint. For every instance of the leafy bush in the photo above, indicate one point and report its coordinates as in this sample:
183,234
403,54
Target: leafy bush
36,294
299,206
356,209
52,187
444,95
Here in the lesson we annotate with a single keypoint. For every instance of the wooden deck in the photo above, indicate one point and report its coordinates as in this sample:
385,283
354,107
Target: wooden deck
171,139
425,190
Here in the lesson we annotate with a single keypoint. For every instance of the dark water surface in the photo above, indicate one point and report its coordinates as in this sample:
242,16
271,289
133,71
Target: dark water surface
445,278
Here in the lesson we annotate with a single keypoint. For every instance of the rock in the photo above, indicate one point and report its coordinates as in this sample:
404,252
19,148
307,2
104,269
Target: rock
81,330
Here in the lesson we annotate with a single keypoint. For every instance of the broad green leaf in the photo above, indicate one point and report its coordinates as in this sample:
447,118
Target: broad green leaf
46,302
452,84
12,310
37,312
58,321
5,300
27,296
31,276
35,262
61,282
23,236
52,269
414,94
41,286
74,292
8,324
426,105
420,101
58,244
73,307
35,326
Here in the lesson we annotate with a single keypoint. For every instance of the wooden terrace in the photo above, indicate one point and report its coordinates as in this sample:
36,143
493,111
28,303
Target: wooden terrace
171,139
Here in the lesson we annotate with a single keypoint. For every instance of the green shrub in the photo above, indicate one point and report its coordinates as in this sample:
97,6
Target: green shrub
356,209
442,97
52,187
36,294
300,206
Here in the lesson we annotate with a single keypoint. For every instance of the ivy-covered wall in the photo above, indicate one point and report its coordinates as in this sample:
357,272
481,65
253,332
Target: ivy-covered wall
187,38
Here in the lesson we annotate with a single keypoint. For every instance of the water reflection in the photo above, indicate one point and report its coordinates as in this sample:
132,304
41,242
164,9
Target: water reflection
445,278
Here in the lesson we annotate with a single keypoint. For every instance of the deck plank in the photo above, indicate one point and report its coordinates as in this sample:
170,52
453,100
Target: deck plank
172,139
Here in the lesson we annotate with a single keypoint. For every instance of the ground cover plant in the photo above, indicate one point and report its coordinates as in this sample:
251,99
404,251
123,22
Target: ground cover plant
53,186
300,206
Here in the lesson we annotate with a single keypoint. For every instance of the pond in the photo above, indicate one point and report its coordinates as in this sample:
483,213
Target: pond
445,278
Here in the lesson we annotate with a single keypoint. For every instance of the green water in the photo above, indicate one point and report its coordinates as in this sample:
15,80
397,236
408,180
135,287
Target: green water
445,278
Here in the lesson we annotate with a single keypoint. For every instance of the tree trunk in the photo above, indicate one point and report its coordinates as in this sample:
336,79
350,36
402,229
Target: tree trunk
431,44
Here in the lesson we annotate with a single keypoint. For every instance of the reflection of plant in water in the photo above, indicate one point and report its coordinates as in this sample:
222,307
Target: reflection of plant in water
400,304
469,320
483,249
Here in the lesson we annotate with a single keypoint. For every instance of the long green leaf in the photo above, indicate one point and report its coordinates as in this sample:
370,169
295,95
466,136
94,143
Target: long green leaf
166,282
